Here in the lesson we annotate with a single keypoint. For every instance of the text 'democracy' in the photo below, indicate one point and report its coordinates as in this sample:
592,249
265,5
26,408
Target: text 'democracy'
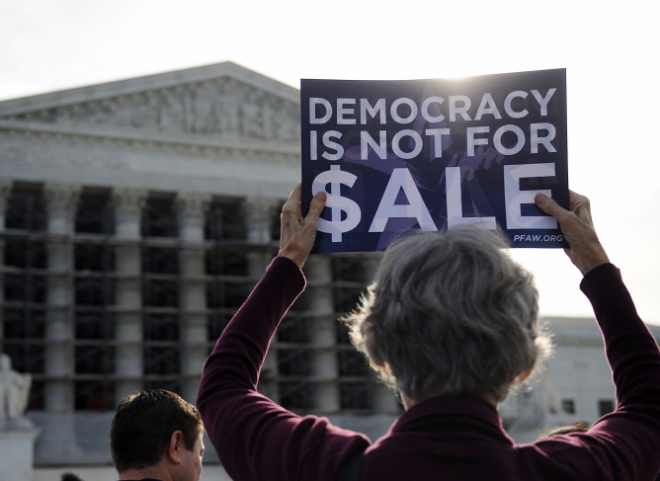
434,154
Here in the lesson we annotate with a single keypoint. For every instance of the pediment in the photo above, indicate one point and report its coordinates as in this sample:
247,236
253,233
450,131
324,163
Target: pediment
222,102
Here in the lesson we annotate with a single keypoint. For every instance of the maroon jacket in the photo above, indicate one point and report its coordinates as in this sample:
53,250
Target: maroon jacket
442,439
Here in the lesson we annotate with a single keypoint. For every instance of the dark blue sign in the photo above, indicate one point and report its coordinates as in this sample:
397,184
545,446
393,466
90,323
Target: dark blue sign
434,154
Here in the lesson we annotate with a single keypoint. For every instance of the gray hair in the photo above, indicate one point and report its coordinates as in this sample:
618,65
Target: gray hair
450,313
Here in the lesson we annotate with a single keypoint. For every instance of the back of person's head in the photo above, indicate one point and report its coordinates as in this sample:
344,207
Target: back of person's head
580,427
71,477
143,426
450,313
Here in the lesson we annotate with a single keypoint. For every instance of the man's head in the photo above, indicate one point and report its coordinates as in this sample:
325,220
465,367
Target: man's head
158,430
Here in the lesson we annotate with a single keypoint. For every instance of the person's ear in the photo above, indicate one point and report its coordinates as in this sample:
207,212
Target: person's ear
175,448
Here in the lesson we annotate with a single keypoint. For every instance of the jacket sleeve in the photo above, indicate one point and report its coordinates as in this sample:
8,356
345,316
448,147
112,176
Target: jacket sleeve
255,438
623,444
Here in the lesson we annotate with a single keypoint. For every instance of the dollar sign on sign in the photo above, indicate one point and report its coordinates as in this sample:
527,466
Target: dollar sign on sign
335,177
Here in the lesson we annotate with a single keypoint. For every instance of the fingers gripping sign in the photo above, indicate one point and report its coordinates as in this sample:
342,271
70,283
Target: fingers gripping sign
298,233
585,251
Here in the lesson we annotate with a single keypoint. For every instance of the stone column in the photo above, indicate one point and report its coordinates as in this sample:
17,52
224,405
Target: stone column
128,288
5,189
323,335
61,201
258,218
192,207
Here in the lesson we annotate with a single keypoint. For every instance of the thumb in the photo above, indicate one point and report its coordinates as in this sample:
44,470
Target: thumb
549,206
317,205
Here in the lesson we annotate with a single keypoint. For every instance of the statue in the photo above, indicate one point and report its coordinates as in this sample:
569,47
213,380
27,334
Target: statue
17,432
14,391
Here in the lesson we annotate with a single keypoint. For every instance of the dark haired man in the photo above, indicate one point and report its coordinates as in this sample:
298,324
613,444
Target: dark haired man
157,435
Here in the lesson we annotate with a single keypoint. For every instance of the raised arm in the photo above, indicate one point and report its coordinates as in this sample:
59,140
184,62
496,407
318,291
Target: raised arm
255,438
624,444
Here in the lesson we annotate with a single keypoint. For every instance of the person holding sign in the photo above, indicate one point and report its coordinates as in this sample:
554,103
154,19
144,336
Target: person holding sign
451,322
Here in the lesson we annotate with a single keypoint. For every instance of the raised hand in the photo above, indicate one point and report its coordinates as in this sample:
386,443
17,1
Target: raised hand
298,233
586,251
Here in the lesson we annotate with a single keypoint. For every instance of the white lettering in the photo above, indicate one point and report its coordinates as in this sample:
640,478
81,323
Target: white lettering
395,113
545,141
396,147
387,209
332,145
425,110
437,140
471,141
367,141
455,109
313,102
343,110
487,106
509,109
367,108
543,101
455,206
514,197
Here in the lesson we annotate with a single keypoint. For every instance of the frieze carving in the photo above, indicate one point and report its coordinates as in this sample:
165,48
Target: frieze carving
77,150
221,108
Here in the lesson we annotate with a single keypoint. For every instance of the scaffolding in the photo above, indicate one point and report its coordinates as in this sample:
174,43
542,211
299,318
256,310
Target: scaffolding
79,342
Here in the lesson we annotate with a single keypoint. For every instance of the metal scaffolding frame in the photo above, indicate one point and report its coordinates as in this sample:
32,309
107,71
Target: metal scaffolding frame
226,281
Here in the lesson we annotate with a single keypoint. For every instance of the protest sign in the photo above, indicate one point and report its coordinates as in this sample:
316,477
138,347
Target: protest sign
430,154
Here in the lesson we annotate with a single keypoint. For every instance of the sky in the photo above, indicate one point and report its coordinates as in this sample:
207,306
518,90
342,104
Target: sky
610,50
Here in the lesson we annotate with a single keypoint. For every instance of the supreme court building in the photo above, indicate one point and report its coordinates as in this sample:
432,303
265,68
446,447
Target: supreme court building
135,217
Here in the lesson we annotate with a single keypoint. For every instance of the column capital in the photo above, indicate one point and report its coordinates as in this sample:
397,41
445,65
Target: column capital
128,201
61,196
61,201
193,205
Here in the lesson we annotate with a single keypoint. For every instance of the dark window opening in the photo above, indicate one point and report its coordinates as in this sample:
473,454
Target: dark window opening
94,214
159,217
94,360
93,325
226,294
352,363
160,260
158,293
296,395
94,396
26,208
93,291
226,261
94,258
605,406
161,327
161,360
355,395
25,253
225,220
293,330
294,362
568,406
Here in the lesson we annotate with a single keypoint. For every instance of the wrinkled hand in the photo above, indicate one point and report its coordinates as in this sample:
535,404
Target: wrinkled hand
298,234
585,250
